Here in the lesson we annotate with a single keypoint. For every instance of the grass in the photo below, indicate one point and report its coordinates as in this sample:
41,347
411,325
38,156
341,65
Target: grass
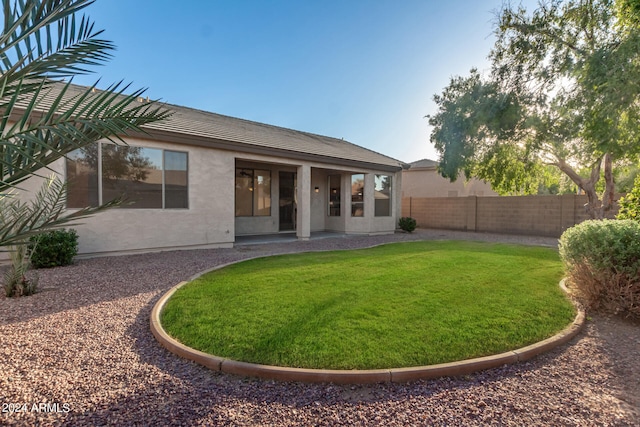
397,305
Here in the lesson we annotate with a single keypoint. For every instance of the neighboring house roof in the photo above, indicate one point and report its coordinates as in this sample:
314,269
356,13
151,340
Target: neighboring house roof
423,164
203,128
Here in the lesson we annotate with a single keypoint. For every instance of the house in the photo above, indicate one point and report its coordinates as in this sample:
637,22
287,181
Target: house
200,179
422,179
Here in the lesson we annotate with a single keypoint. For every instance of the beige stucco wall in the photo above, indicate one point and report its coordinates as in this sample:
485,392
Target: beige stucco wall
429,183
319,211
210,219
208,222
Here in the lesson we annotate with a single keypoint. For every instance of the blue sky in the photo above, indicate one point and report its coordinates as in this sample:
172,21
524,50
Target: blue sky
362,70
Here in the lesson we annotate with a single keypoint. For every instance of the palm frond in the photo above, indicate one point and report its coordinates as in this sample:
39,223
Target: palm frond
60,119
37,28
43,120
43,39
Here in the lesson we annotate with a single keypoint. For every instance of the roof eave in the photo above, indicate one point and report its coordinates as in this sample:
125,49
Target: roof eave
208,142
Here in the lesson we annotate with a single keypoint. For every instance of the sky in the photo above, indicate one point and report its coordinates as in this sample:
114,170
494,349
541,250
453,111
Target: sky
362,70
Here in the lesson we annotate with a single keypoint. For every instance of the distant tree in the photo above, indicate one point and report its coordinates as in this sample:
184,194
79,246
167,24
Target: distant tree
118,162
630,203
564,91
626,176
628,12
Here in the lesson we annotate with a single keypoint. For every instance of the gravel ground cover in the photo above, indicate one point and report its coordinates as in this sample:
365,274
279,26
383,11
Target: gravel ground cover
80,352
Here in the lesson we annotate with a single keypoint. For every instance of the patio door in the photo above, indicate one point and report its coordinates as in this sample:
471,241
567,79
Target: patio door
287,202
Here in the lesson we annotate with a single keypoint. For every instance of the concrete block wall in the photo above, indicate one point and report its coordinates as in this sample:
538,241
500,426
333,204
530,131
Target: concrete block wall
431,212
527,215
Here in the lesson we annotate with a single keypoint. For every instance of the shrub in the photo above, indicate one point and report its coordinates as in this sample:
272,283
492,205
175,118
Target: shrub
407,224
630,204
602,262
54,248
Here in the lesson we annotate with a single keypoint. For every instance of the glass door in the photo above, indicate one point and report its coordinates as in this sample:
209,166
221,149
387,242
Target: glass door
288,207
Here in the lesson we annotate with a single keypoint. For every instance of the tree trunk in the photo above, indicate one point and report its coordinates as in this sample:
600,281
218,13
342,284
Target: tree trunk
595,207
608,197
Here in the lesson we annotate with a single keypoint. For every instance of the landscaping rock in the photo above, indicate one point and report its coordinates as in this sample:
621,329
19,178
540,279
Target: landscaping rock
80,352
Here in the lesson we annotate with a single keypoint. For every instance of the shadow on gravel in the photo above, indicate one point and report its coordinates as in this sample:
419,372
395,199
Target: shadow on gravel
192,393
621,343
163,389
96,280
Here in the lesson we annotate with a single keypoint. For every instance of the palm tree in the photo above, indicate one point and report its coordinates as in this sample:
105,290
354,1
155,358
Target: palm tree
43,45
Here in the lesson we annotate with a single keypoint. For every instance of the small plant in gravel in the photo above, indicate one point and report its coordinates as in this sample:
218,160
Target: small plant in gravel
53,248
18,280
602,263
408,224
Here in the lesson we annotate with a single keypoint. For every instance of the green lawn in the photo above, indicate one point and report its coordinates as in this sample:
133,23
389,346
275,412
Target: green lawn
397,305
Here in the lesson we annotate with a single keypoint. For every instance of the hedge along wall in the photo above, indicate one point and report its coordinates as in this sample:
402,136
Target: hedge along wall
529,215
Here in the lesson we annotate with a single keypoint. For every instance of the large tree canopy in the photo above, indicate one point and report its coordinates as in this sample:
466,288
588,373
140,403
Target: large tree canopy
43,119
564,90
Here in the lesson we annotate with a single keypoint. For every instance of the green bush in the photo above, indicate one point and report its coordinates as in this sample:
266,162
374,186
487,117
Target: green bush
53,248
602,262
407,224
630,204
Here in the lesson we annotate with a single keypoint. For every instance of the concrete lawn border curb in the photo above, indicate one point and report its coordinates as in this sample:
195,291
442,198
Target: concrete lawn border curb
280,373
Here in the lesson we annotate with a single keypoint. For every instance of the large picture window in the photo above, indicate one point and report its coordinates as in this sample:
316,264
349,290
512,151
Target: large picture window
357,195
148,178
382,195
253,192
134,172
334,195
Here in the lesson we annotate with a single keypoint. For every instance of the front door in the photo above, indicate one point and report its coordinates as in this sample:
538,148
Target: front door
288,209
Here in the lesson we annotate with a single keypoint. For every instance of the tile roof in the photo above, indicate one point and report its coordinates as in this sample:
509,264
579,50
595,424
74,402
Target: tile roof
192,126
423,164
219,127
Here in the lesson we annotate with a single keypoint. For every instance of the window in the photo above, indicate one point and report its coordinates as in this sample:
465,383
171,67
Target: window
149,178
253,192
382,195
134,172
334,195
176,175
82,177
357,195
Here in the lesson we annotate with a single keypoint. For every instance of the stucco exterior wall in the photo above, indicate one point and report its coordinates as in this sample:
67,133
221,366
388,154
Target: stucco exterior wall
319,211
208,222
210,219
